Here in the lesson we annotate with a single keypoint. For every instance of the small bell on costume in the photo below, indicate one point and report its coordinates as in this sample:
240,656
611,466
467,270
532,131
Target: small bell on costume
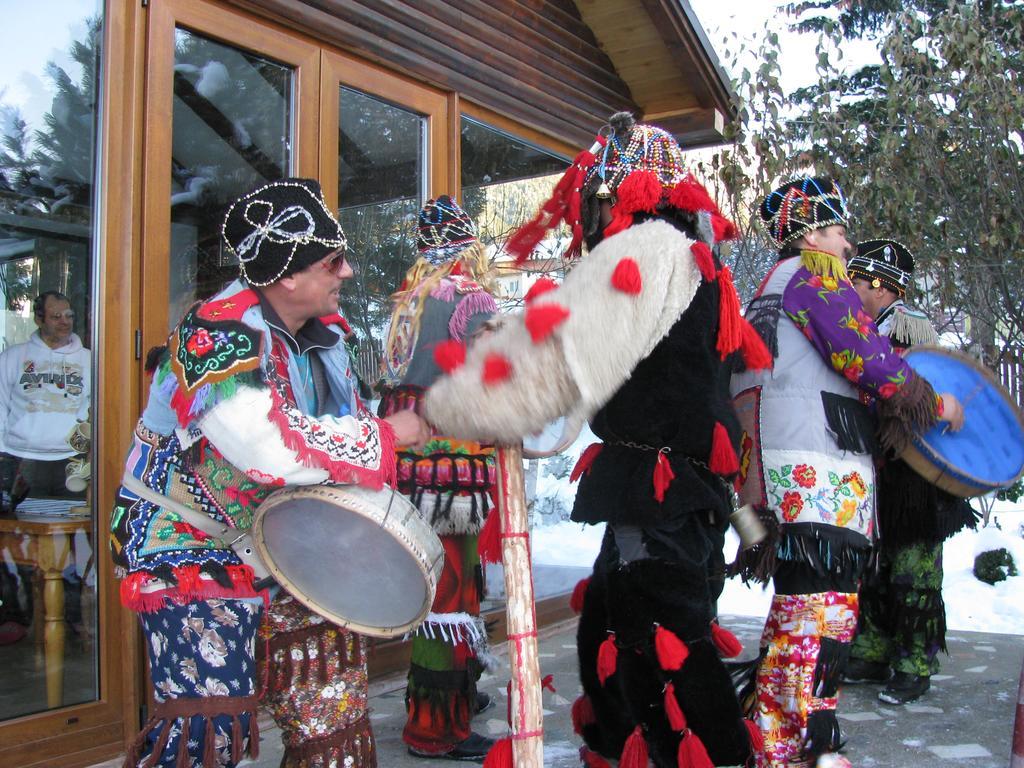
604,192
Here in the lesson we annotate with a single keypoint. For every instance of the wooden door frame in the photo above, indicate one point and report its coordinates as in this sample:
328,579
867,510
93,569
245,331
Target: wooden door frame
240,30
342,69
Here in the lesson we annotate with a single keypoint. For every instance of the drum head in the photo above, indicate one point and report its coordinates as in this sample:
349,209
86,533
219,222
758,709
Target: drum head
988,453
554,438
342,565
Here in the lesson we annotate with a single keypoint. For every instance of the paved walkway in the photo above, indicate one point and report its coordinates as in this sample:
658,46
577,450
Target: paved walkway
965,720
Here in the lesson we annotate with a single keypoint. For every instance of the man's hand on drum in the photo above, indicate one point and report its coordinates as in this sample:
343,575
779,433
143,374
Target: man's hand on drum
952,411
410,430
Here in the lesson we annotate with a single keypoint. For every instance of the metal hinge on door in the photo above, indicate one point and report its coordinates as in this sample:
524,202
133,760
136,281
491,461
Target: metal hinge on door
138,344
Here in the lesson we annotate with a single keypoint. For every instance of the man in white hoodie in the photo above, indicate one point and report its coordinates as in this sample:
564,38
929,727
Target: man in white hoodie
44,391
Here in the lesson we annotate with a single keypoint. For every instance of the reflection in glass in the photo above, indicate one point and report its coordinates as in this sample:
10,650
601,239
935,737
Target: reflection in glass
48,108
504,182
381,183
232,130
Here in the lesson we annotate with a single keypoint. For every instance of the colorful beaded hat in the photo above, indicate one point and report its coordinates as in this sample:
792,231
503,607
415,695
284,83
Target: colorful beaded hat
883,262
279,229
642,171
444,230
801,206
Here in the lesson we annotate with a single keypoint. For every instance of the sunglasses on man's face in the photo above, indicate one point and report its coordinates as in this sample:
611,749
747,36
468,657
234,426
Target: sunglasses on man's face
334,263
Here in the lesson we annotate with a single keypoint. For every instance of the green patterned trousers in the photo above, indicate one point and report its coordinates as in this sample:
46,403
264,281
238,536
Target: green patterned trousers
903,619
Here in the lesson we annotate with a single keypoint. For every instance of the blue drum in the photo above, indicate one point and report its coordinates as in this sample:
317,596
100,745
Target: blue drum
988,453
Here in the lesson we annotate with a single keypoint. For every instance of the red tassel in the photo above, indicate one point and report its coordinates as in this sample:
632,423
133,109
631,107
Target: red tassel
579,592
585,460
634,752
591,759
500,755
723,228
730,334
663,477
723,459
692,753
755,354
450,355
756,737
188,580
583,714
489,542
542,319
607,658
639,191
676,718
626,277
690,195
497,368
725,641
672,651
705,261
539,288
622,220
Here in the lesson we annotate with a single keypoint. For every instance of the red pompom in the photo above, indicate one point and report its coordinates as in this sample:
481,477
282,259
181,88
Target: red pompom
663,477
755,354
607,658
497,368
705,261
539,288
626,277
634,751
542,319
500,755
692,753
582,714
579,592
639,191
672,651
723,460
756,737
725,641
730,334
450,355
585,460
488,544
674,713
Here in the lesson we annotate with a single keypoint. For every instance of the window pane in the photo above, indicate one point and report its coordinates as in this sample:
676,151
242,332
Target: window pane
381,178
231,131
504,182
49,68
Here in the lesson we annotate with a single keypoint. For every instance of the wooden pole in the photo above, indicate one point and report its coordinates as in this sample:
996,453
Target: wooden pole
524,663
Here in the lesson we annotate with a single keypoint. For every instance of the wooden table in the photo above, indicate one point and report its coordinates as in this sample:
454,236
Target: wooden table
46,543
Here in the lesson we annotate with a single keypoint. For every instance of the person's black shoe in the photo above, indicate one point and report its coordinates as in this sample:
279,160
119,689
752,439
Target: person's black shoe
863,671
905,688
483,702
474,749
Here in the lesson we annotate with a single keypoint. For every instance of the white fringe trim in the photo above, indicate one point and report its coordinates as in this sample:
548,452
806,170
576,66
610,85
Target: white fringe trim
453,628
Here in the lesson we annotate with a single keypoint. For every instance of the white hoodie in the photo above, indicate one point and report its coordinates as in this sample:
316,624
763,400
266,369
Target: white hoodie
43,393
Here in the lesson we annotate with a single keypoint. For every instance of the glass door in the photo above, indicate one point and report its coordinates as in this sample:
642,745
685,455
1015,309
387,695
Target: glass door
380,137
231,104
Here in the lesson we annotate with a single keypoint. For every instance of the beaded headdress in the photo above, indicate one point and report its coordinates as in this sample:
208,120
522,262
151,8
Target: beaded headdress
801,206
444,230
883,262
641,170
279,229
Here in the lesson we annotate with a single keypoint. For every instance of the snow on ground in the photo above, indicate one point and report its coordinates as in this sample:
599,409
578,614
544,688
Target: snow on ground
971,605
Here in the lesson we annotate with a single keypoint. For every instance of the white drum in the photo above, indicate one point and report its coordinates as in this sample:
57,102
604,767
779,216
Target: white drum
365,560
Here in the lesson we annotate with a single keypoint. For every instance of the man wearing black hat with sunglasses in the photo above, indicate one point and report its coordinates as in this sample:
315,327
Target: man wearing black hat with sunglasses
254,391
902,624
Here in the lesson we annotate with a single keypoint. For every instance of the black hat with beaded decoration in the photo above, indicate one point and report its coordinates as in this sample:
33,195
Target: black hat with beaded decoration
883,262
445,230
280,228
801,206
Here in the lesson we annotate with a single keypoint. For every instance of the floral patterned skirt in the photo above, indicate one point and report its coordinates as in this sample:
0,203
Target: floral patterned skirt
317,689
